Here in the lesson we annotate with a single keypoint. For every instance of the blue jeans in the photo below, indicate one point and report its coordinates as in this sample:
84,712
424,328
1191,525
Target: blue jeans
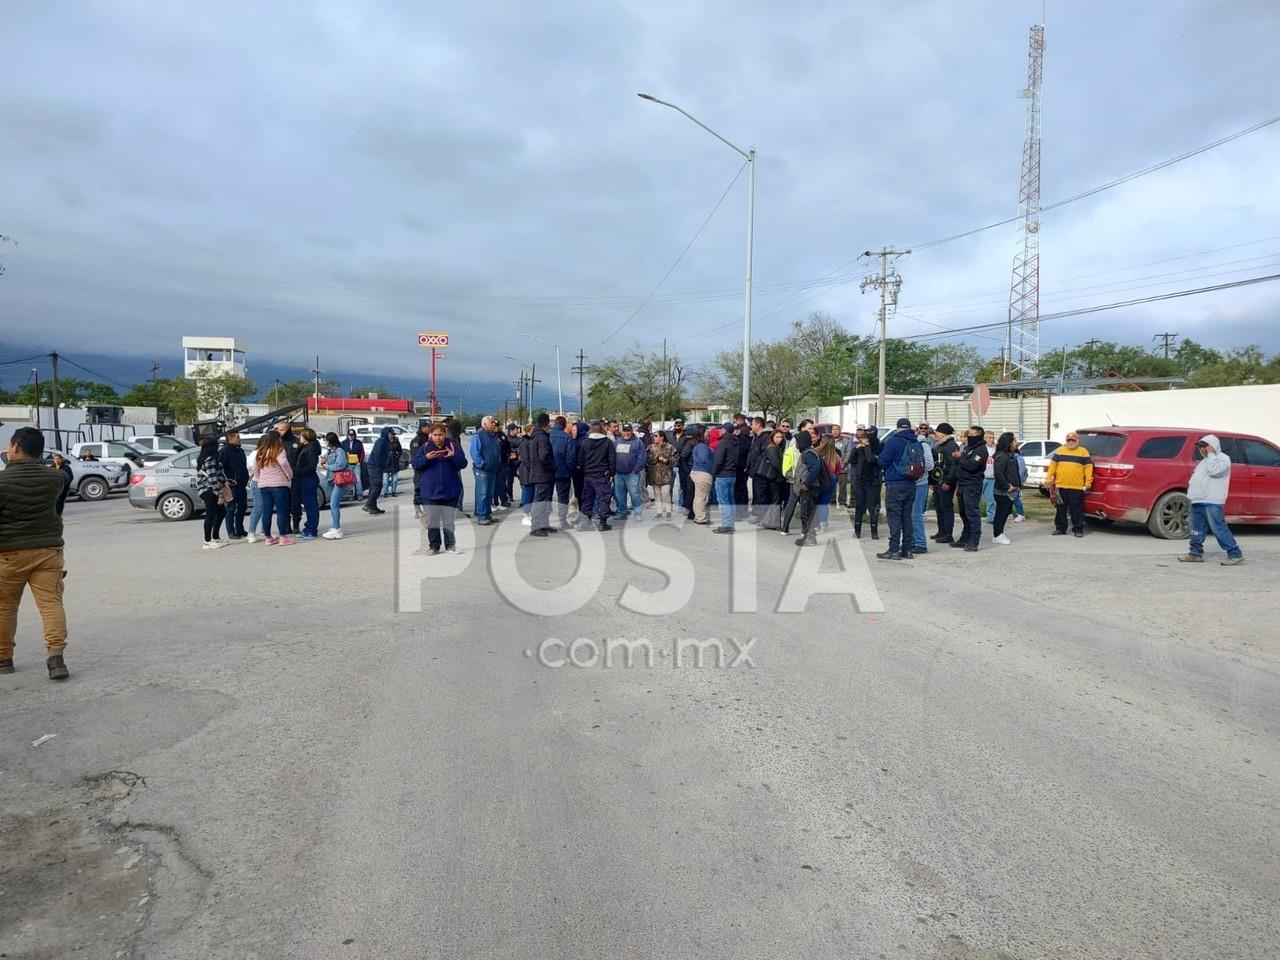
989,498
486,484
526,497
275,501
391,482
259,507
335,506
724,494
309,486
628,485
1206,518
1018,508
917,517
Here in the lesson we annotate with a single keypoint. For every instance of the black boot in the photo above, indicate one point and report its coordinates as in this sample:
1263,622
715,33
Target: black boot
57,669
875,533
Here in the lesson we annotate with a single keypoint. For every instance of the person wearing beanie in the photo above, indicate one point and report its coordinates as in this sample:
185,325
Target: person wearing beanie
901,453
945,448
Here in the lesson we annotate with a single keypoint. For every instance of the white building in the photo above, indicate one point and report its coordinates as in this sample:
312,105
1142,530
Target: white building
212,357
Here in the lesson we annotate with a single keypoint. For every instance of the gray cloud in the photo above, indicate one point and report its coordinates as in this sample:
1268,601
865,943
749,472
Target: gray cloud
332,177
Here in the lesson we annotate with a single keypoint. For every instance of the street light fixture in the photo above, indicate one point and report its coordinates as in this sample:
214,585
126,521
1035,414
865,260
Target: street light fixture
750,156
559,391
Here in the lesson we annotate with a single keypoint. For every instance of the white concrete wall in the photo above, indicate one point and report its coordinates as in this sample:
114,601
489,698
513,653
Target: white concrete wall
1253,410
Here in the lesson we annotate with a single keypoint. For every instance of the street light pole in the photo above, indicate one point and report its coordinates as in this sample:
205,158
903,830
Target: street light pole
559,390
750,157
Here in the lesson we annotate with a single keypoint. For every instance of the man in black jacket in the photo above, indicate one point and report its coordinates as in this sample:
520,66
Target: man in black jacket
541,473
290,440
867,476
970,466
236,466
598,458
757,440
684,444
944,492
741,492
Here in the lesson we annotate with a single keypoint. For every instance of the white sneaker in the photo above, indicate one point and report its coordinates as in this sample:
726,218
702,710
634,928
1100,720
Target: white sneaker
216,545
1018,519
252,538
1003,540
527,521
207,546
333,533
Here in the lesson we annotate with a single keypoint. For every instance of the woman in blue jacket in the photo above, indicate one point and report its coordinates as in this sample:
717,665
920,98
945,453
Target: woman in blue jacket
440,461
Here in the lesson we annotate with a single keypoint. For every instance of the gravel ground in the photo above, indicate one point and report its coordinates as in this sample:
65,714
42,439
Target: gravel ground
1058,749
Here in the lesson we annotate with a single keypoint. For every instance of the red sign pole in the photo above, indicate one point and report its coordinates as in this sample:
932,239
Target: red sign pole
433,383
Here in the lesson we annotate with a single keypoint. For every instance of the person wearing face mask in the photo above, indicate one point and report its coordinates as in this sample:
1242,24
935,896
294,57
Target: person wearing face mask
970,465
1207,490
1069,477
945,448
867,478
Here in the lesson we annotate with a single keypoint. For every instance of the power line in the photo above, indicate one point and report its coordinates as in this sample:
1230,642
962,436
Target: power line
673,266
94,373
1098,308
1108,185
5,363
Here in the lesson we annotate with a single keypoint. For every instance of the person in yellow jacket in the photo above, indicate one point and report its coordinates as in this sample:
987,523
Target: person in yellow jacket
1069,478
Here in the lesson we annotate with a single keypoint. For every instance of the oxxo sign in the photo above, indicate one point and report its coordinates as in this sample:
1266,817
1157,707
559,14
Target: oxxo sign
433,339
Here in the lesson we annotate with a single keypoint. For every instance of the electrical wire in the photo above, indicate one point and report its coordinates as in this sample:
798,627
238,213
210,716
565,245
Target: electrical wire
1093,191
1099,308
671,269
5,363
94,373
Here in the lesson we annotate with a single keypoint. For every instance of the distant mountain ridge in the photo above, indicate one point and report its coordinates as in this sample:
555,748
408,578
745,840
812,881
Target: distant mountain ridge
124,372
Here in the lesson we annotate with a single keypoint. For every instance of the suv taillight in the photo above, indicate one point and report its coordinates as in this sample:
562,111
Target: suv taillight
1112,470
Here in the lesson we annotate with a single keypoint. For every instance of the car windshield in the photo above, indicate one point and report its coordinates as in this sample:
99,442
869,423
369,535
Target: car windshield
1102,444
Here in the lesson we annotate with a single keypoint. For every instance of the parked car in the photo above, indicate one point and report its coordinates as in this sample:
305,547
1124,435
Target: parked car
367,433
90,480
1037,453
1140,475
169,487
162,443
118,451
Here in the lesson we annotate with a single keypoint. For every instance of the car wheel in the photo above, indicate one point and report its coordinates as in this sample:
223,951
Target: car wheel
92,488
1171,517
174,506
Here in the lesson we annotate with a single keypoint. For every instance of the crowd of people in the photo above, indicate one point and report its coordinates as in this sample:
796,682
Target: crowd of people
750,470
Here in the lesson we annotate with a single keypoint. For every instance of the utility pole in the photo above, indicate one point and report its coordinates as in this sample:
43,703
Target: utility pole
53,387
889,284
666,383
1022,354
1088,347
36,373
276,399
155,368
1168,339
533,378
580,370
316,371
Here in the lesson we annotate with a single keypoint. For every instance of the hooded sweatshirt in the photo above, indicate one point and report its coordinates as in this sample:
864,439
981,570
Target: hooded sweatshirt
599,459
631,456
1212,476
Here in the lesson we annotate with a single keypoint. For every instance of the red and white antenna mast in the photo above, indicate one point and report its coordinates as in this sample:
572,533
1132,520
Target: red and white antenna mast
1022,340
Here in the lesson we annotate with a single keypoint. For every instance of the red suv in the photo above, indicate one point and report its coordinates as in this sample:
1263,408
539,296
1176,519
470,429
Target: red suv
1140,474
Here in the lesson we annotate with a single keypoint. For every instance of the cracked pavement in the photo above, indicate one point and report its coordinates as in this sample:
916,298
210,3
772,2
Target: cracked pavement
1045,750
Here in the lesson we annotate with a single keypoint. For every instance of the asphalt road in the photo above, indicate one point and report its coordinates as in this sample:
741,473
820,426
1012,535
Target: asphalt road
1058,749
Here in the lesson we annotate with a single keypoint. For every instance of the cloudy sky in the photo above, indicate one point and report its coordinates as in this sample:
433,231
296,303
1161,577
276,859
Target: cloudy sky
332,177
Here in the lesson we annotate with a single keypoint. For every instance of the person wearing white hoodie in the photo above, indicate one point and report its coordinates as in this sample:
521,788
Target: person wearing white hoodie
1207,491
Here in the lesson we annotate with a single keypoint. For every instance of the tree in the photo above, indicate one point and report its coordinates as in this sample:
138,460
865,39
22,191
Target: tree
222,395
71,391
1241,366
637,386
174,400
1191,356
954,363
779,383
289,392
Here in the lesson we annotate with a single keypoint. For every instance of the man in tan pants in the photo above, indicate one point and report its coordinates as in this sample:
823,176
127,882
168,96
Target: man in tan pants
31,548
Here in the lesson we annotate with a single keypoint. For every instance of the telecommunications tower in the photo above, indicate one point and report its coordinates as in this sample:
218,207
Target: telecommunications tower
1022,339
